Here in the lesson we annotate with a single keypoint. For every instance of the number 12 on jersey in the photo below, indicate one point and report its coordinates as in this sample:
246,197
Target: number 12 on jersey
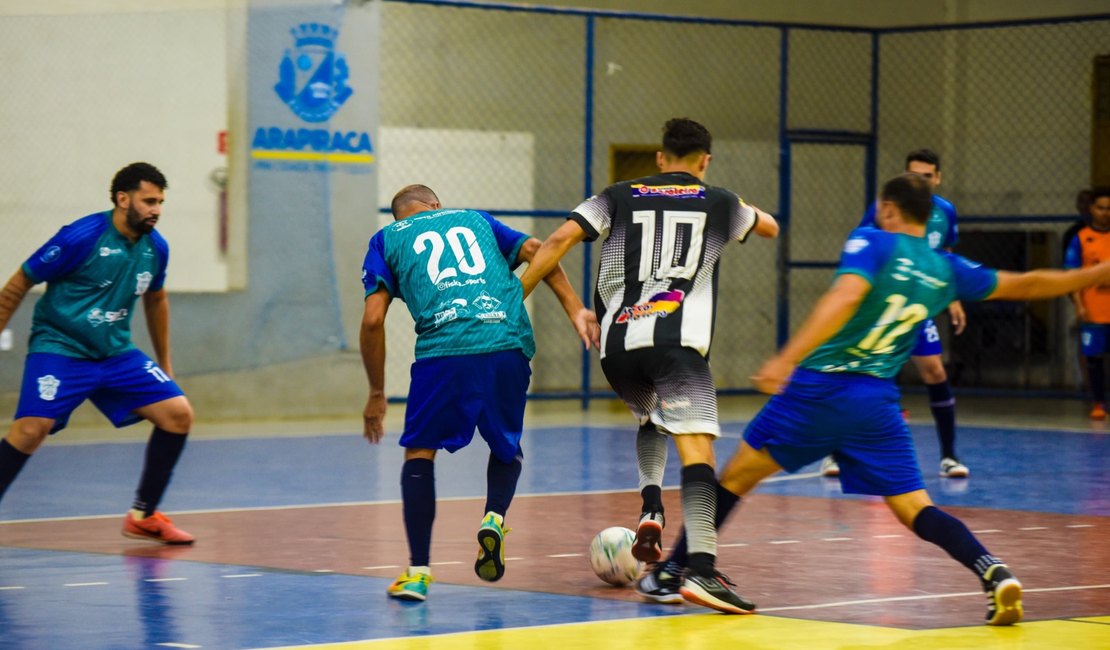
896,320
678,249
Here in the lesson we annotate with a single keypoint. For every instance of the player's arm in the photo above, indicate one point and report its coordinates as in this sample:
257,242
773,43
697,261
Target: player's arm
1073,259
584,320
156,308
371,339
765,224
550,252
1048,283
829,315
11,296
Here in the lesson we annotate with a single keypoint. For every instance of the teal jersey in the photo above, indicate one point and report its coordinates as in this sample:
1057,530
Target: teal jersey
94,275
910,282
453,269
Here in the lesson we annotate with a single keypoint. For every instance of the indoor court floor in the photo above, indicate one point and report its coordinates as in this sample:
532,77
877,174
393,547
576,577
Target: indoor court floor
299,532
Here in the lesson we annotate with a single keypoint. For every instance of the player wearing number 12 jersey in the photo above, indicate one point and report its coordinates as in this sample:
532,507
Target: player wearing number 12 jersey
453,269
656,298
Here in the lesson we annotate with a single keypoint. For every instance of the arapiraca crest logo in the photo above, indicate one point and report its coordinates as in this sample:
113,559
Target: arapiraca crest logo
313,78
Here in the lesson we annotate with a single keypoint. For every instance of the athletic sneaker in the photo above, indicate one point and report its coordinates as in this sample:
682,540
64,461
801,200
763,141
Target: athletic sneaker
660,584
647,546
157,527
952,468
1003,596
1098,412
715,592
829,467
410,586
490,565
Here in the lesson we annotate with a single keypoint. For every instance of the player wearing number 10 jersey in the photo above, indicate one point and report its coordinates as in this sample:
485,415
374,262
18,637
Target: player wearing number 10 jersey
453,268
656,297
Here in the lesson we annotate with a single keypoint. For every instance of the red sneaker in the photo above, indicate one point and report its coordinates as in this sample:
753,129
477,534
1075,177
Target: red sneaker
157,527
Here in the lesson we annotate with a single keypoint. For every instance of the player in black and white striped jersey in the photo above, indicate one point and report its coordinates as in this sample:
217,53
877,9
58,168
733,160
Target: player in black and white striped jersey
656,300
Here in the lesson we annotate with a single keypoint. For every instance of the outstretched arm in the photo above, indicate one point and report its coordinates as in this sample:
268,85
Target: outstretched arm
11,296
584,320
550,252
156,307
831,312
765,225
1048,283
371,341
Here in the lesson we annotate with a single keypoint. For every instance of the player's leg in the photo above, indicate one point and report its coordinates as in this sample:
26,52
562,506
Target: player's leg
1093,342
927,359
52,387
501,424
916,511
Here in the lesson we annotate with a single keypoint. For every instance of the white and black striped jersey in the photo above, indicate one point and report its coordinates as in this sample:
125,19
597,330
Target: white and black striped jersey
657,281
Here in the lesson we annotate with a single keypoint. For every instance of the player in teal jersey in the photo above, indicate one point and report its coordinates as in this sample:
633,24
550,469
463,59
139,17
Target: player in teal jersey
941,233
856,339
80,347
453,269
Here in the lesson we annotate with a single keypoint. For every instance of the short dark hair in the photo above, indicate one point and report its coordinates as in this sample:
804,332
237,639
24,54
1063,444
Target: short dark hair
1100,193
927,156
683,136
411,194
912,194
130,177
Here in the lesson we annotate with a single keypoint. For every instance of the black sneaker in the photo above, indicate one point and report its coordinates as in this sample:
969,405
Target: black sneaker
660,584
1003,596
715,592
648,547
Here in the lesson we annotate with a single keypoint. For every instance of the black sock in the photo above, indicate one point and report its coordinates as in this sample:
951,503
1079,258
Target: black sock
726,503
934,525
418,498
501,479
11,461
943,405
652,496
1097,379
162,452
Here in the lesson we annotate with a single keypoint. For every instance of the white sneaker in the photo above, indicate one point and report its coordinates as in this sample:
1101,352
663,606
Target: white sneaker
952,468
829,467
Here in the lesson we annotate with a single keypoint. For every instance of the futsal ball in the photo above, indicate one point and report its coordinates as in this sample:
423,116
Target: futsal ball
611,556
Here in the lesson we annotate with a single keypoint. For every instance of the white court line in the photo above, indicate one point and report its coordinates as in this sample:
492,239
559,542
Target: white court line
165,579
382,566
785,541
1080,526
1034,528
736,545
179,645
443,563
323,571
986,530
895,599
85,584
242,575
885,536
567,555
836,539
13,588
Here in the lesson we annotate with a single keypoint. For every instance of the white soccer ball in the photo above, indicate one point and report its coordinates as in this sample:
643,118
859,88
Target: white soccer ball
611,556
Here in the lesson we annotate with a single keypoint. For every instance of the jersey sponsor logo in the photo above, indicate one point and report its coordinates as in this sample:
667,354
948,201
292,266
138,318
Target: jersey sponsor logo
640,190
451,310
659,306
106,251
905,271
51,254
489,306
142,282
48,387
313,78
98,316
934,240
855,245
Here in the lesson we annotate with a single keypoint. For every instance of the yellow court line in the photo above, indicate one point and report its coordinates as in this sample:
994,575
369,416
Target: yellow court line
716,631
312,156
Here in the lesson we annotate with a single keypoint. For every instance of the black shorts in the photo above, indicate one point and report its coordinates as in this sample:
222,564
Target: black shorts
668,386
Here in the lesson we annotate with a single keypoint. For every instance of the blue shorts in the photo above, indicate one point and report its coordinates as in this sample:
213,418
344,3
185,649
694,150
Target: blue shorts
1092,337
928,341
451,396
855,417
55,385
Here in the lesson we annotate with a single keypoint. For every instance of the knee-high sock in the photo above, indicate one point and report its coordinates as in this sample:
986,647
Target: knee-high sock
501,479
418,496
726,503
699,508
934,525
1097,379
162,452
943,405
651,456
11,461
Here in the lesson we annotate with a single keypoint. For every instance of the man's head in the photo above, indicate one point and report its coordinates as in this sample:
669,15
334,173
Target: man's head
1100,208
139,191
686,147
908,198
413,199
924,162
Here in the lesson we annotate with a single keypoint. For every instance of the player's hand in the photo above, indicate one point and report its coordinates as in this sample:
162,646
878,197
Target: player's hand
585,323
773,376
959,318
373,416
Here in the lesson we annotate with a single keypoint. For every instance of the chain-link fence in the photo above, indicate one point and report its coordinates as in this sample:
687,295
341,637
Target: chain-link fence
526,111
